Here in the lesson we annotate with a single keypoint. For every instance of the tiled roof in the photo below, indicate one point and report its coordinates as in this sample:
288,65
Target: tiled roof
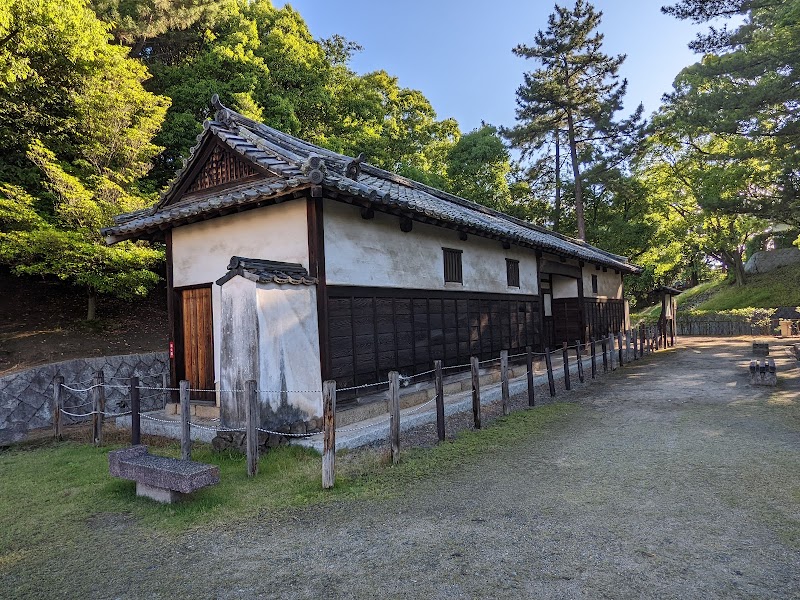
267,271
286,156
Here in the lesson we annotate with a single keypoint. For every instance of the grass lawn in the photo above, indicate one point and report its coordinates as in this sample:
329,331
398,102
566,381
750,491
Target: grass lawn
51,491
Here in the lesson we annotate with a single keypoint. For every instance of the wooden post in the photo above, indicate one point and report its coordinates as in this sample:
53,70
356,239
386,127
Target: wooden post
628,346
594,359
633,339
394,415
252,418
98,408
621,349
604,346
504,381
165,385
437,365
529,365
58,403
550,382
476,391
567,383
611,351
329,439
136,421
186,439
579,358
641,340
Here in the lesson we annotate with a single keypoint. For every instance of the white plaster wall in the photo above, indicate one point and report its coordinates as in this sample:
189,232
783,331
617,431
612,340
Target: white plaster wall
565,287
201,251
375,253
609,284
289,348
238,345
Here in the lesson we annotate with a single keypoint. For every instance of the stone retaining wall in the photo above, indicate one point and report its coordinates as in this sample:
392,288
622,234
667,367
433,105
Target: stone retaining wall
26,397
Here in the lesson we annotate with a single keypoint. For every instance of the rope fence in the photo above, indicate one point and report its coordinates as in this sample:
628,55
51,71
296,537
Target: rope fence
599,355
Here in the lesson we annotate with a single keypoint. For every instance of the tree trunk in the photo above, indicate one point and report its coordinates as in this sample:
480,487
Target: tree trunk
733,260
91,306
576,172
557,210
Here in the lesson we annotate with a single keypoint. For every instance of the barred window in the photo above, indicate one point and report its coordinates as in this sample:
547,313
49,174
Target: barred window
512,272
594,284
452,265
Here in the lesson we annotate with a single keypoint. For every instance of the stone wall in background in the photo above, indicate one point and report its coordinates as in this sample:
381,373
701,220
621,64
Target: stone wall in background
26,397
769,260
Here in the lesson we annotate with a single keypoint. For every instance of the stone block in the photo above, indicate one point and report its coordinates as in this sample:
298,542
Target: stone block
206,412
298,427
171,408
760,349
158,494
451,388
413,399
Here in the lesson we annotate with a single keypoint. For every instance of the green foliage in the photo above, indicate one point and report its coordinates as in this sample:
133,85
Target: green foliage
17,210
122,270
77,130
478,167
744,92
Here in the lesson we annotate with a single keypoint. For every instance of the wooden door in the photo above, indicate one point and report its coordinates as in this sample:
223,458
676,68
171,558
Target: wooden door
198,341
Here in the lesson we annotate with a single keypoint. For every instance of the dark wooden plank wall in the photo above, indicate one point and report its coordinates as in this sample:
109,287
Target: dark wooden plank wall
374,331
604,316
567,320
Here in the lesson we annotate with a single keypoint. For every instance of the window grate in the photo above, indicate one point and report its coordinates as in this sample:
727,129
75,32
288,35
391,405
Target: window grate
452,265
512,272
594,284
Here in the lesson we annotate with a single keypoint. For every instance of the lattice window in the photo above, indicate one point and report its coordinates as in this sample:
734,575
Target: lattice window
452,265
512,272
222,167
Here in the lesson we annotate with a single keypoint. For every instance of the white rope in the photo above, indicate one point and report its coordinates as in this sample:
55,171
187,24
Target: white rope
161,389
69,414
456,367
297,435
77,390
349,429
149,418
96,385
289,391
359,387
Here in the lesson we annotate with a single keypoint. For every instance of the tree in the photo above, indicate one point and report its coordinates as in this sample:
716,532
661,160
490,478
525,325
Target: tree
576,89
478,167
744,92
77,128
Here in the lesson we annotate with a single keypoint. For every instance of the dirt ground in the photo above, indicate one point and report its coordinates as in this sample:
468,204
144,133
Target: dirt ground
674,479
43,322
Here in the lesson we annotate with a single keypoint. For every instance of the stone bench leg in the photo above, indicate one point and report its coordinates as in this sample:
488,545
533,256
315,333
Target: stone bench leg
158,494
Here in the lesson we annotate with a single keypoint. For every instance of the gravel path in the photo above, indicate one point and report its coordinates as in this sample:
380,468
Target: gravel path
673,479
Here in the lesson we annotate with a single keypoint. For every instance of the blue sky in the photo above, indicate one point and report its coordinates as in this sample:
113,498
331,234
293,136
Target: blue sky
458,53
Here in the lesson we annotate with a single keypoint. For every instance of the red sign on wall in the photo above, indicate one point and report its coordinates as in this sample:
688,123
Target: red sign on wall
172,350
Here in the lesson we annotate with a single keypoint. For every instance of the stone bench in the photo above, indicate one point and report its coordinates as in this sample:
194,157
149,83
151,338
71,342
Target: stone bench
163,479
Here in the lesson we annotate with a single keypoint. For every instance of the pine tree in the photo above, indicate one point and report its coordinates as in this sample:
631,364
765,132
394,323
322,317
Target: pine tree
577,89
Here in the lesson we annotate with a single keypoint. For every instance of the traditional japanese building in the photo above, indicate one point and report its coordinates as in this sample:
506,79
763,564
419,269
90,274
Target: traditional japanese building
291,264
